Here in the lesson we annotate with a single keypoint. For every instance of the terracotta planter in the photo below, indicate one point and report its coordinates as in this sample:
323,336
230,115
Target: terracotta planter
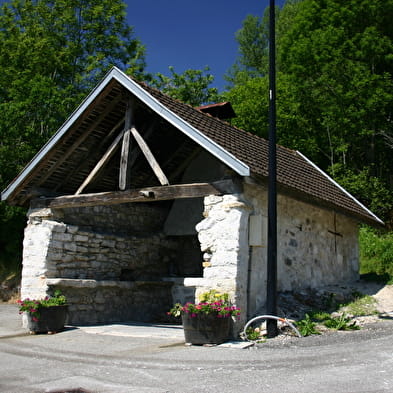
52,319
205,329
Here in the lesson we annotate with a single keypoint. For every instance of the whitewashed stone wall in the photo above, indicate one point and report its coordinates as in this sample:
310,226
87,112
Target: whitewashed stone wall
316,247
113,261
223,235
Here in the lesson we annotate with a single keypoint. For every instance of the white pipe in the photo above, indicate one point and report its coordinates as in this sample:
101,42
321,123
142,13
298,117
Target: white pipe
244,334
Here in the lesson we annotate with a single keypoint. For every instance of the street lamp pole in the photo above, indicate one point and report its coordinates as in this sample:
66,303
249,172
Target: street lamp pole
271,295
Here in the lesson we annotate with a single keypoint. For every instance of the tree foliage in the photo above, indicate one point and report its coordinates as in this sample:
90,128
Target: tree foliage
190,87
253,41
376,252
52,52
334,89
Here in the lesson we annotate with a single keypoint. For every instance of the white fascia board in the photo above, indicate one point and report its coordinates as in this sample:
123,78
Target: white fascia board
223,155
341,188
212,147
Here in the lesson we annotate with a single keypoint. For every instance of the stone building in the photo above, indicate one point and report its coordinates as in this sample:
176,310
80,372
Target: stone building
139,201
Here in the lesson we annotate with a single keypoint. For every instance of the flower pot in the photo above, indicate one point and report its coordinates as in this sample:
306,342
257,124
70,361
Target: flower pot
205,328
51,319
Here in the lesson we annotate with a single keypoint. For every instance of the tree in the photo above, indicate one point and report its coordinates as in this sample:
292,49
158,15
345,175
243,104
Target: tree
52,52
253,40
339,59
190,87
335,88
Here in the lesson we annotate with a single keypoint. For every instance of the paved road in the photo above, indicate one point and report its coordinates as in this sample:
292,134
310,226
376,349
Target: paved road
119,359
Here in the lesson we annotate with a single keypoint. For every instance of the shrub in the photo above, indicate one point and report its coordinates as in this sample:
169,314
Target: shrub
376,252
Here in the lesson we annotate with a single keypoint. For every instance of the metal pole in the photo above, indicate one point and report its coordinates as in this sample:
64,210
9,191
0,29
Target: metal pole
271,296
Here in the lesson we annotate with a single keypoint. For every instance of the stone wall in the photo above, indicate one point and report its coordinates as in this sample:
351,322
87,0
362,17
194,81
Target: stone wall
92,302
123,267
316,247
223,235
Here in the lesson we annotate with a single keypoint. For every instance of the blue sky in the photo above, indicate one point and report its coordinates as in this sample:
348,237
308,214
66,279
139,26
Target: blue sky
191,34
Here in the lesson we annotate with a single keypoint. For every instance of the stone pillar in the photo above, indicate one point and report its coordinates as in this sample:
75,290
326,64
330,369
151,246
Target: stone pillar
223,235
38,236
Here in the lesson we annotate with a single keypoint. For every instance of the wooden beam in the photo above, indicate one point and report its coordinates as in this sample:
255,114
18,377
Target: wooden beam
149,194
125,159
108,154
150,157
137,151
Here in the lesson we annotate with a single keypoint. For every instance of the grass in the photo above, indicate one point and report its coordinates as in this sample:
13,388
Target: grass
315,321
361,306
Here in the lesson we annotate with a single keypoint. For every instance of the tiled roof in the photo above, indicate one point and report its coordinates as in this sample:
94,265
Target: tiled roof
295,173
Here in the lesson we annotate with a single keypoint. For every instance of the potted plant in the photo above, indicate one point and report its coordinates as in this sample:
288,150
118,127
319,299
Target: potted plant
209,320
45,315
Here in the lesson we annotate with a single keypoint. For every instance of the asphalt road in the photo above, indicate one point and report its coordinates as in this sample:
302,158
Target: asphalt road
98,361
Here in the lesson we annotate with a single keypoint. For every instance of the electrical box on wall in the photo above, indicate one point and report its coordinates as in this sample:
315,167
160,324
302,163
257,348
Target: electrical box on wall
257,234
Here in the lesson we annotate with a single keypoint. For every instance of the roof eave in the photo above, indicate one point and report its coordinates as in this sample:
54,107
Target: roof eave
366,210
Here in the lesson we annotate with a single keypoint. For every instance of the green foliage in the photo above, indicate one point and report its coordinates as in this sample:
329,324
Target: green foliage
254,334
376,251
307,326
362,305
341,322
368,189
190,87
253,40
52,52
338,58
334,89
251,113
12,222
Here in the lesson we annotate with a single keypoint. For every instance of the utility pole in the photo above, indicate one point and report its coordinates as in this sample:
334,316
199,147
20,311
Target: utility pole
271,295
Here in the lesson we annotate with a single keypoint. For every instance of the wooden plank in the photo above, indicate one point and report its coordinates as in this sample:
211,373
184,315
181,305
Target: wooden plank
84,159
150,157
106,157
125,159
149,194
80,140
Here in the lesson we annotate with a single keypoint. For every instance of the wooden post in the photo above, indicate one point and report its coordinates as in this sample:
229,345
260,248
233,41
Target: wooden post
125,159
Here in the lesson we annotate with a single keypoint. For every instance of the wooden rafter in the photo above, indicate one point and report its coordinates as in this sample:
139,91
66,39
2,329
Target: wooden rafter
149,157
126,159
149,194
106,157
